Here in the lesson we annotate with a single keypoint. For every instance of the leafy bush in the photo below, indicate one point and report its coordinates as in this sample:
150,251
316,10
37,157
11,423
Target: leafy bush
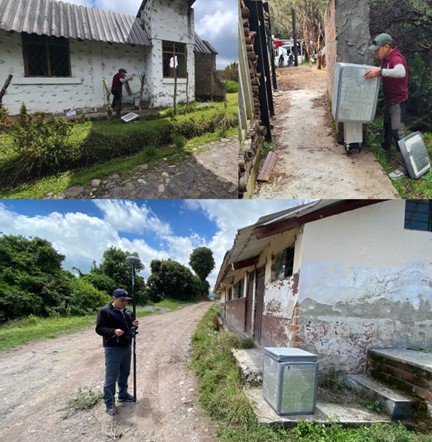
231,86
170,279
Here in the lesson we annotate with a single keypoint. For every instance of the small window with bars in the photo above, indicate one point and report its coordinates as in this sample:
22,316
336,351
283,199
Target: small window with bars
174,59
46,56
284,263
418,215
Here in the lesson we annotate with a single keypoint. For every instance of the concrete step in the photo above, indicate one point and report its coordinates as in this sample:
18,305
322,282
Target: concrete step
396,404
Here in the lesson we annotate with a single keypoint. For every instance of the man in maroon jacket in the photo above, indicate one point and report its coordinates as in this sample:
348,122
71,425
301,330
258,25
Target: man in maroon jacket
117,88
394,73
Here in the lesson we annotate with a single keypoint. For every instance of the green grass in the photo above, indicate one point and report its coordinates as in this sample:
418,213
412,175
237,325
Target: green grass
19,332
406,187
221,395
100,131
26,330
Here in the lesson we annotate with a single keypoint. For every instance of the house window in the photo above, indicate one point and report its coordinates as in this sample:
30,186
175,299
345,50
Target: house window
284,263
230,293
418,215
239,289
46,56
174,56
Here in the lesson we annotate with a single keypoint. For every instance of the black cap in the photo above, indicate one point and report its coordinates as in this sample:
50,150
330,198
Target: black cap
123,70
121,293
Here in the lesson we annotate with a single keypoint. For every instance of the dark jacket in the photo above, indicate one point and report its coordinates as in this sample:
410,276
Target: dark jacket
117,85
108,320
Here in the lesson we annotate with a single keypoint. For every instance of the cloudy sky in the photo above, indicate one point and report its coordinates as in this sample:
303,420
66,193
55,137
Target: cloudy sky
156,229
215,21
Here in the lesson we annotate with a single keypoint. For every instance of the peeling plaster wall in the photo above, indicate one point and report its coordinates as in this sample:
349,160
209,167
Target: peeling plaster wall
365,282
280,297
170,20
91,62
279,302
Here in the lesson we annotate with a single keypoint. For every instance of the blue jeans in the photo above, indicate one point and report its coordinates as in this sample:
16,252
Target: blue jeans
117,369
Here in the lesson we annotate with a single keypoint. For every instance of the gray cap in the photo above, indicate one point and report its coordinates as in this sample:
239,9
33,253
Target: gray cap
380,40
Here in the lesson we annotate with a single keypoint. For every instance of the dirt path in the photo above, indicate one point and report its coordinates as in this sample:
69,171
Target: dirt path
310,163
37,380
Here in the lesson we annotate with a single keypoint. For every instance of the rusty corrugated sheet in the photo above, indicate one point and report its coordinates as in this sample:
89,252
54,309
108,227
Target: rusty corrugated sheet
54,18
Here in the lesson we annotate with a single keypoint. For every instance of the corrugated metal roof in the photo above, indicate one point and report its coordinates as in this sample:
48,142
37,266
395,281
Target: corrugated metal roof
54,18
203,46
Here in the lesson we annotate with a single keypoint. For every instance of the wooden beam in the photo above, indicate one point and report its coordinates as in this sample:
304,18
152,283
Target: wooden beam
246,263
267,168
292,223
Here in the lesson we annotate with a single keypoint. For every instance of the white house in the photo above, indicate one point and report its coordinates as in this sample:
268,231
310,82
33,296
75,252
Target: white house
334,277
60,53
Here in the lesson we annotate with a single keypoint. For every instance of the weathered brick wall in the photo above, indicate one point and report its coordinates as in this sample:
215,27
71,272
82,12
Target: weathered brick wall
413,380
235,311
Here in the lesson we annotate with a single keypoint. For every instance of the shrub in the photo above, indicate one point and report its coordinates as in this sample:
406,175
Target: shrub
231,86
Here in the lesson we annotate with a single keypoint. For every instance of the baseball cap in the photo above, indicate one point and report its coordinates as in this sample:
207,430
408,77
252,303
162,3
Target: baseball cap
380,40
121,293
123,70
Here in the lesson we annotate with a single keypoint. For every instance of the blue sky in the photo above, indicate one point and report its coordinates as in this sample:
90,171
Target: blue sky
156,229
215,21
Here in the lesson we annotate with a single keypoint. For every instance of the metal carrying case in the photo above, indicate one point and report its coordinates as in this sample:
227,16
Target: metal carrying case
290,380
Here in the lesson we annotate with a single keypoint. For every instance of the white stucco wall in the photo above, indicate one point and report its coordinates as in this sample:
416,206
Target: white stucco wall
169,20
365,282
91,62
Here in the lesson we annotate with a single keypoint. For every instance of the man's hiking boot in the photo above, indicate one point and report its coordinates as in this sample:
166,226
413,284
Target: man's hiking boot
126,398
111,409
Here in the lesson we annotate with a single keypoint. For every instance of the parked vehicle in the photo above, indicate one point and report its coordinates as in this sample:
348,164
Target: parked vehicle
285,56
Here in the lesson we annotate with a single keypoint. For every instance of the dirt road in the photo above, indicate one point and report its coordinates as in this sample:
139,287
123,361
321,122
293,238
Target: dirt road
38,379
310,163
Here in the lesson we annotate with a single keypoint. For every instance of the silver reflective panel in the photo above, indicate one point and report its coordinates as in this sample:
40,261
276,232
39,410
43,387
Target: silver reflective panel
354,97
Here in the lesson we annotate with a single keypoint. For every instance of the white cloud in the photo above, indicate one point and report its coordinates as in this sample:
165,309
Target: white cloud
127,216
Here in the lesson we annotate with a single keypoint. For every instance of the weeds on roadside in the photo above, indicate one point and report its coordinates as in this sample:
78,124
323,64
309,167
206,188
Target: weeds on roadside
83,399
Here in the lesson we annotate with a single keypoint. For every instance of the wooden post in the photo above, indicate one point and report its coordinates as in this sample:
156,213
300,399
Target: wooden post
175,85
107,98
294,36
4,88
140,105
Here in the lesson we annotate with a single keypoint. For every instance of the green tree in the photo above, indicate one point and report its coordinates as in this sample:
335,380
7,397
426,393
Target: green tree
202,262
32,280
115,267
230,72
170,279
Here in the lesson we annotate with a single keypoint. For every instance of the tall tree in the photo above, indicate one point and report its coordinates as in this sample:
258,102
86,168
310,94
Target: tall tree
202,262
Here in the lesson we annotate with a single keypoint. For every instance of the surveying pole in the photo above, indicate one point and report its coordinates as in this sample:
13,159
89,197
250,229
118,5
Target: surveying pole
133,261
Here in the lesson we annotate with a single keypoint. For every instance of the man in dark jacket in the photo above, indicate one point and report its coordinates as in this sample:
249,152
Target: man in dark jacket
394,73
117,326
117,89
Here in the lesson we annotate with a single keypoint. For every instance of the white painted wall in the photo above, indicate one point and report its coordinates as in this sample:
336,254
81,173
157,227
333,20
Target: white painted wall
169,20
365,282
91,62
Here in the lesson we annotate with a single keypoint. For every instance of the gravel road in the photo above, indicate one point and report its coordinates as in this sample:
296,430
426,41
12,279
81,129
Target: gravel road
38,379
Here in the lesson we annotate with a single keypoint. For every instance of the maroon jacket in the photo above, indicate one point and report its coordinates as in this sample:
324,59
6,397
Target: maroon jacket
116,83
395,89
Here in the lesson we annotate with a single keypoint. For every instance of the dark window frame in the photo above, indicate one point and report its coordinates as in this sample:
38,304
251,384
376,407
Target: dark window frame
418,215
49,47
178,51
239,289
284,263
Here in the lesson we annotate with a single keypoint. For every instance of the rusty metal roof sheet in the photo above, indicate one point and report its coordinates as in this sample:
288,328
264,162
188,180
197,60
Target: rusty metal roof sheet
55,18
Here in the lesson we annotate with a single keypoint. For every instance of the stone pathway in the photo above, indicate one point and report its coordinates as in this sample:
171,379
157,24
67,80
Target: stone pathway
209,173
